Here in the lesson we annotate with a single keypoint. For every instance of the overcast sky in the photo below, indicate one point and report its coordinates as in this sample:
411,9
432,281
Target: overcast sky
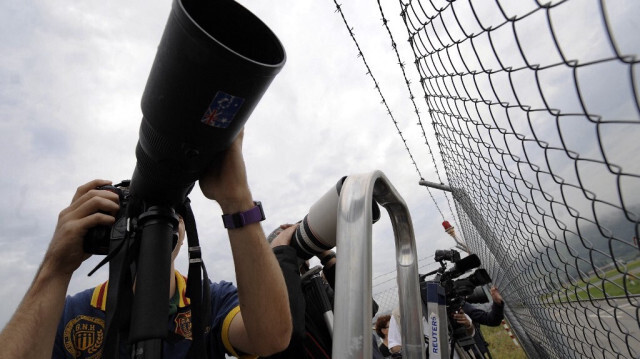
72,78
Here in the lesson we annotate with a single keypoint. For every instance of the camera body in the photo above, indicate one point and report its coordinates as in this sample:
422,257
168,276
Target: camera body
98,239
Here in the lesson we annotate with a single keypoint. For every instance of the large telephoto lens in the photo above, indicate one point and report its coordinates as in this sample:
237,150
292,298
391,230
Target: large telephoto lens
317,231
214,62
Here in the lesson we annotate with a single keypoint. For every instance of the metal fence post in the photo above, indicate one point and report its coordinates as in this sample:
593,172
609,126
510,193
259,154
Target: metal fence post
352,322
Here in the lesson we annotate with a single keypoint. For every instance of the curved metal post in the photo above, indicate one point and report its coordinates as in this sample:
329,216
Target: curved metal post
352,320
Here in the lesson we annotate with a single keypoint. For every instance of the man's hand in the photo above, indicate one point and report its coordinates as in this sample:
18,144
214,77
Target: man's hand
89,208
464,320
327,263
495,295
226,181
263,326
31,331
284,237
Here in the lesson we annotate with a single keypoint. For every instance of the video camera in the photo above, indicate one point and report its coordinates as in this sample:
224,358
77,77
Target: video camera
457,290
446,290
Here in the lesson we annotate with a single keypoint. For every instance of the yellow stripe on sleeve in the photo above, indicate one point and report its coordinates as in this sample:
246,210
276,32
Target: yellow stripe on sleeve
99,296
181,288
226,324
95,296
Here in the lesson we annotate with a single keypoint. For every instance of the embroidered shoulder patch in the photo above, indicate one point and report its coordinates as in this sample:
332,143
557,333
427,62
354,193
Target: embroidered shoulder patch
222,110
84,337
183,324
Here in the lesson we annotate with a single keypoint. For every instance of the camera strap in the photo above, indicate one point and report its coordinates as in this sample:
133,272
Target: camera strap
118,311
120,292
198,288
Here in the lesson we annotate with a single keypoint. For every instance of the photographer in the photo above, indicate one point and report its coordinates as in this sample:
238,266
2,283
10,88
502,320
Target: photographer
491,318
254,318
311,337
382,329
395,335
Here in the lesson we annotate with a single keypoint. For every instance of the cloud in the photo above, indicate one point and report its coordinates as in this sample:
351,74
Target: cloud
70,112
74,74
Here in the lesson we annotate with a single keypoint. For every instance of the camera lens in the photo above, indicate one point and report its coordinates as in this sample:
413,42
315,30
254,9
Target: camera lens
317,231
214,62
307,243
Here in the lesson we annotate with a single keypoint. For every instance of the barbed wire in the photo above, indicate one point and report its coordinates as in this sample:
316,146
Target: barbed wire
384,101
416,111
393,270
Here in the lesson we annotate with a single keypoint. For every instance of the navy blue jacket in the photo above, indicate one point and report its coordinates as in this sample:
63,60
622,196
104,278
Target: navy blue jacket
491,318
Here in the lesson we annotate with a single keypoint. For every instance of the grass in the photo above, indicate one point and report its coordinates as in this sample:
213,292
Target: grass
612,287
501,345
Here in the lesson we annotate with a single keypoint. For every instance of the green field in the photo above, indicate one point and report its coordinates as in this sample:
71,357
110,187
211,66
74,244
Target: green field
501,345
612,284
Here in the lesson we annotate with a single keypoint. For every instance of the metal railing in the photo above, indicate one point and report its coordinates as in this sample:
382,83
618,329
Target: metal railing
352,321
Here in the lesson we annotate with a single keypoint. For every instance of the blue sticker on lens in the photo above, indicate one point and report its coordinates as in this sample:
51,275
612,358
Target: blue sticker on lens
222,110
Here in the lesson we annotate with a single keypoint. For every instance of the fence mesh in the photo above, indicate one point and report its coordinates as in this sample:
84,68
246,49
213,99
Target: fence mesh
536,112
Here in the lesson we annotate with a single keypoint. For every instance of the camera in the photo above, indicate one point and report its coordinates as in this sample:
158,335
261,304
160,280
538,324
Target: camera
447,255
214,62
99,238
317,231
465,287
456,289
479,296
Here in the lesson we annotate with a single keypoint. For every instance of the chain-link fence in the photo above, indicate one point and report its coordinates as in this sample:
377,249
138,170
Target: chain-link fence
536,112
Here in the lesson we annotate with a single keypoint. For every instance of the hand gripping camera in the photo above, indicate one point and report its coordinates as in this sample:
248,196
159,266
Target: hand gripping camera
98,238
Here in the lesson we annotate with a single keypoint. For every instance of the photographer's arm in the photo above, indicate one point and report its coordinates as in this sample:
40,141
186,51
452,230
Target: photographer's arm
465,321
263,325
288,261
493,317
31,331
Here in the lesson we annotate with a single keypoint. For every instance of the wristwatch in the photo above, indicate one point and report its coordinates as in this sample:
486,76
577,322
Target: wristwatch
241,219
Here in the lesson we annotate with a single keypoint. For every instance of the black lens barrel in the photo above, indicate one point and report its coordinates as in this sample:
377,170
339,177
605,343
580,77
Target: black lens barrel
214,62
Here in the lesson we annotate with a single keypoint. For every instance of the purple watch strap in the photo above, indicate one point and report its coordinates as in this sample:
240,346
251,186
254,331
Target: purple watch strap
241,219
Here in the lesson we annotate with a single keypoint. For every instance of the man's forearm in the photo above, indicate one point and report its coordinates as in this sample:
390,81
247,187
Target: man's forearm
497,314
262,292
31,331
